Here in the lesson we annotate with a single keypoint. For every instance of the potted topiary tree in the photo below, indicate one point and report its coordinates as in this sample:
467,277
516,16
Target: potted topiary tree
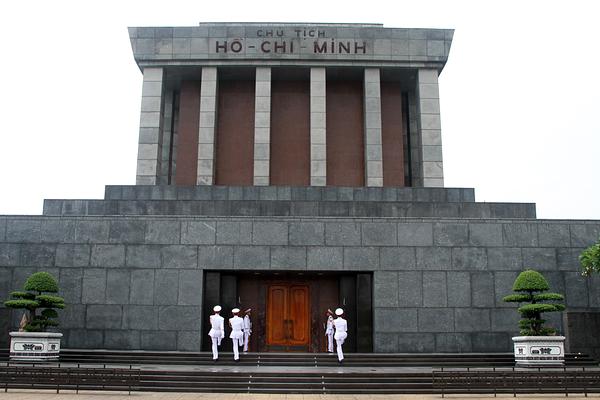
32,342
539,344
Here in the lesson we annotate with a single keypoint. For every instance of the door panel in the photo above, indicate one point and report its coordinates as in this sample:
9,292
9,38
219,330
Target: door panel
276,315
288,314
298,316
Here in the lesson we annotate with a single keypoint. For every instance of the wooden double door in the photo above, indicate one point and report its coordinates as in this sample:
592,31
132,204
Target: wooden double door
288,317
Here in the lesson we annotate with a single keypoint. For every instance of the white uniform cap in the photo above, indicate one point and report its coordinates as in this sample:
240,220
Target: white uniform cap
339,311
217,308
235,310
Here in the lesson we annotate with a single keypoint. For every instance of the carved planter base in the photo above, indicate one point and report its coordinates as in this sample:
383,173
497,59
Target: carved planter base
536,351
34,346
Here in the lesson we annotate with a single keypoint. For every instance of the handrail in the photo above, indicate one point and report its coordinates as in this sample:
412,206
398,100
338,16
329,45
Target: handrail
73,377
512,380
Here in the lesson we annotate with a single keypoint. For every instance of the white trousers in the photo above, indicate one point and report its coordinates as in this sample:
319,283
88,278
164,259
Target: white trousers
330,342
246,340
215,342
340,353
236,348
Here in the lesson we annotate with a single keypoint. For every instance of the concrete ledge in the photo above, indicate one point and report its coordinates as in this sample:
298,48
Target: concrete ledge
293,208
302,193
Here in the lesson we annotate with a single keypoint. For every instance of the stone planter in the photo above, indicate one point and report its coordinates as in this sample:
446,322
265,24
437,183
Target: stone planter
34,346
537,351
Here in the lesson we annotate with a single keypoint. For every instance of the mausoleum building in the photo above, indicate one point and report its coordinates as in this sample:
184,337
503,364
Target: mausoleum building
291,169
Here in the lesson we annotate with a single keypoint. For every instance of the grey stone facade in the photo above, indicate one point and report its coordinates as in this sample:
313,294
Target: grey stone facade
136,281
132,267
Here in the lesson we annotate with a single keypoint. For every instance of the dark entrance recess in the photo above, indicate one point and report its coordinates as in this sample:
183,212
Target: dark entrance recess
289,308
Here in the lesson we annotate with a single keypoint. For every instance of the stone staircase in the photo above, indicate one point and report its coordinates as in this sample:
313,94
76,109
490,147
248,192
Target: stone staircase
379,360
365,373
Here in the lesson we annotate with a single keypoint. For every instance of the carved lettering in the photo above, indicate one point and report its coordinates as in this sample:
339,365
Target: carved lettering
268,46
309,33
270,33
344,47
333,47
322,49
236,46
357,47
220,46
265,46
32,347
279,48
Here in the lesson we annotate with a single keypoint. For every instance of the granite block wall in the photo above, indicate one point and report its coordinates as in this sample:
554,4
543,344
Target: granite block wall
136,282
582,331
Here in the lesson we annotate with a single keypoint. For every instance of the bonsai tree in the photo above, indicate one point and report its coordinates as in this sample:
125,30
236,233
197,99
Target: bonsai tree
34,298
531,286
590,259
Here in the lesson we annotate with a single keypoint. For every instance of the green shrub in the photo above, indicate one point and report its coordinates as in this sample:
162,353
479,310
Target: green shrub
530,286
590,259
33,300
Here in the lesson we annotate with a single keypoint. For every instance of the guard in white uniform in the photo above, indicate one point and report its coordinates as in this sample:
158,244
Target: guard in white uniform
247,329
341,332
217,331
237,333
329,331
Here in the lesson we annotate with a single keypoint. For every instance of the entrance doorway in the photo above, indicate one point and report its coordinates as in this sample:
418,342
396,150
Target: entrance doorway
288,317
289,307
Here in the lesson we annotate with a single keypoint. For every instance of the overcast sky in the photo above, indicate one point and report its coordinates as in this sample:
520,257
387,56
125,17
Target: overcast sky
520,93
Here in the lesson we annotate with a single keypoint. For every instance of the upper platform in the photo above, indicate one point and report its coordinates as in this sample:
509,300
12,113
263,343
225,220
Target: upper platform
283,43
286,201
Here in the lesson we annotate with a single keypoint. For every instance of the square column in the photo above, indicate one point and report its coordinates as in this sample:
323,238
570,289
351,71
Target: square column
207,127
151,121
318,140
415,167
262,126
372,110
165,159
430,128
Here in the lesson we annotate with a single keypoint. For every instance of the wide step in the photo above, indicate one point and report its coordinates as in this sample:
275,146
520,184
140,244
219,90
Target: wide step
305,359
